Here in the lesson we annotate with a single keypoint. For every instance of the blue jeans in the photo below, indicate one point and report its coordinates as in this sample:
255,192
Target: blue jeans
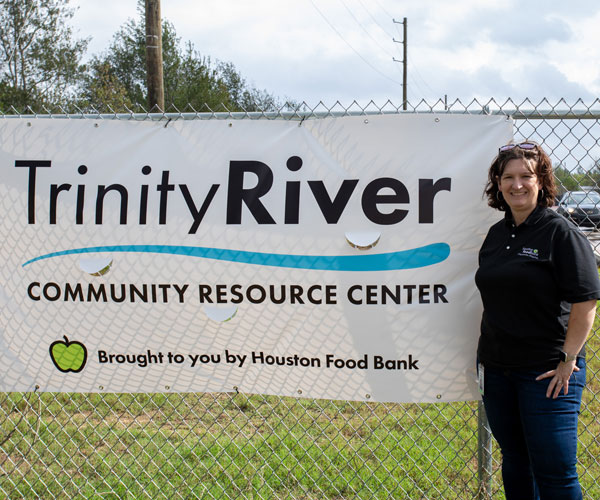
537,435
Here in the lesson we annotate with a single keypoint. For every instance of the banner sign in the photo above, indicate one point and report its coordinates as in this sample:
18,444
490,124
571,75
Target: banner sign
329,258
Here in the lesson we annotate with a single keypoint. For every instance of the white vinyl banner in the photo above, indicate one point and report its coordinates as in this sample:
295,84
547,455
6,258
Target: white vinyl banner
329,258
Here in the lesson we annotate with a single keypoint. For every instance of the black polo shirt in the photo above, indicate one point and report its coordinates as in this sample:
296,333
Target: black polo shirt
528,277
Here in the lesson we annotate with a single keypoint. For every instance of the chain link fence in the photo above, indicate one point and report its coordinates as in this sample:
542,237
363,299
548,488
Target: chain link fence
233,445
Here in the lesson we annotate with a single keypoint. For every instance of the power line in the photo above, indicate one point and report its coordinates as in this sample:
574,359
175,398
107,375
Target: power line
351,47
413,66
378,24
381,7
364,29
375,20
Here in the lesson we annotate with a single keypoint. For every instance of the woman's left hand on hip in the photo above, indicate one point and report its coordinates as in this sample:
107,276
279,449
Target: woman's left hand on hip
560,378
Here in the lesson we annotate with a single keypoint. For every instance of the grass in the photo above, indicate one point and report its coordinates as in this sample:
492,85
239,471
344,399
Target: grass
154,446
233,445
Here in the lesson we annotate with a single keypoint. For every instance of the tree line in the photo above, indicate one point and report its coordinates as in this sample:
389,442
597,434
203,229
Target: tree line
578,178
43,67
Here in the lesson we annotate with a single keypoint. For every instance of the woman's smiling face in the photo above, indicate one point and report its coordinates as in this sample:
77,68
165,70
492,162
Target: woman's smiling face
519,186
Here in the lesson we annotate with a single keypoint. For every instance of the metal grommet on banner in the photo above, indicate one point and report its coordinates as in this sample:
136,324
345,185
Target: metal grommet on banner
96,125
437,120
299,391
439,396
368,396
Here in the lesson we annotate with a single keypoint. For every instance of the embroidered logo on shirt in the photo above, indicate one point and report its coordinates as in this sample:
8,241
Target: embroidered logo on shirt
529,252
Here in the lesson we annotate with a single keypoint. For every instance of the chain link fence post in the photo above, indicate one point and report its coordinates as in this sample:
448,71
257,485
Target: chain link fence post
484,454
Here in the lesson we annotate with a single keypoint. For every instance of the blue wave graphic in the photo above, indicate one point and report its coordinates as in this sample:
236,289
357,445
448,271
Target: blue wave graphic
405,259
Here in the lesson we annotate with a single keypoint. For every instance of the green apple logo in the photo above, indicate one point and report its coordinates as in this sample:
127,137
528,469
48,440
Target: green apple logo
68,356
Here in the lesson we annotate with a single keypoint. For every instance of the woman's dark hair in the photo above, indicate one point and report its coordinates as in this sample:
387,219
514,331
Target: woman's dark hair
540,164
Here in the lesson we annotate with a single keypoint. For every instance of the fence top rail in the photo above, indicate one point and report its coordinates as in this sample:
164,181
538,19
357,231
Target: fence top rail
517,114
525,109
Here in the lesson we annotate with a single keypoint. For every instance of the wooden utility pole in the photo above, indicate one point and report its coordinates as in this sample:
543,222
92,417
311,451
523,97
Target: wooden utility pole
154,64
404,62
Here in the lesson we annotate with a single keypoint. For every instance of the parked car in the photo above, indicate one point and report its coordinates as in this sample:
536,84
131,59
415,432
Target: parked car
581,207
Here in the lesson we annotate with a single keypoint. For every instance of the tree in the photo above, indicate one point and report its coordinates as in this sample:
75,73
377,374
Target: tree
103,90
242,96
578,178
594,174
565,179
191,82
40,60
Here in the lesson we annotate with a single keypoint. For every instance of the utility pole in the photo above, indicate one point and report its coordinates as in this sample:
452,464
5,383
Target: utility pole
154,64
404,61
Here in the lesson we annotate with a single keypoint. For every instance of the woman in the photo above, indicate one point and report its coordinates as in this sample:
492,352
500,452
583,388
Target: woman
539,285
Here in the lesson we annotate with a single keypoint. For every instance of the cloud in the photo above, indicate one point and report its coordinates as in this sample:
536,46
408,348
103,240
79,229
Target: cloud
545,80
464,48
505,27
534,81
517,32
315,81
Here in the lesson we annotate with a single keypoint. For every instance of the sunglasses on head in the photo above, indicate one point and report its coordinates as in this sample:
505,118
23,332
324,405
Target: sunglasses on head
527,146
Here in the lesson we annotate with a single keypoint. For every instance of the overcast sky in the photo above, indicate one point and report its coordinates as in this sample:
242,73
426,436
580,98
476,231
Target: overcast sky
343,50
